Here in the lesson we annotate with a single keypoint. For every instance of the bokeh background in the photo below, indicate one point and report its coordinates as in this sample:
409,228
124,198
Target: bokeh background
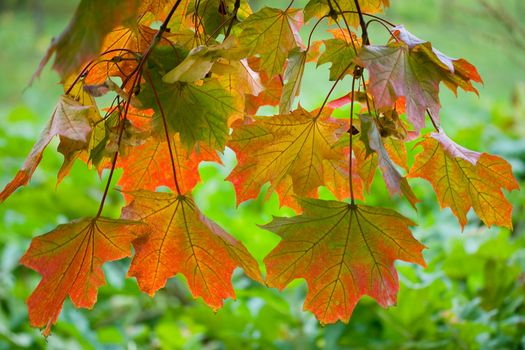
471,295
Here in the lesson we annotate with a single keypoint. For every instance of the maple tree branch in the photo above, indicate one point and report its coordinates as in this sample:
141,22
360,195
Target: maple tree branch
236,7
347,26
362,24
312,32
137,72
436,127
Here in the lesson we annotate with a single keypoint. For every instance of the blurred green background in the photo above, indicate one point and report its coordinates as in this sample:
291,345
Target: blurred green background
471,296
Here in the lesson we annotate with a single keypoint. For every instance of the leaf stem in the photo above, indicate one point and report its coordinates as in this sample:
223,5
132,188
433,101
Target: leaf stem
332,89
362,24
436,127
236,7
312,32
347,26
137,72
166,132
351,134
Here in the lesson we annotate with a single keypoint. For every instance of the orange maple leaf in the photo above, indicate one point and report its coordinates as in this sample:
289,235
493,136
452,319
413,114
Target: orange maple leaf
465,179
343,252
175,238
149,165
295,152
70,260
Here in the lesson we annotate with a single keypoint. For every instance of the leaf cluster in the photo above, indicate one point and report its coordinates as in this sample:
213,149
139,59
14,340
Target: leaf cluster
181,92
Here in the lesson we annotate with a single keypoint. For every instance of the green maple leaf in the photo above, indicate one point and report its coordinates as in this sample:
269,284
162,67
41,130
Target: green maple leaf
198,111
340,54
272,34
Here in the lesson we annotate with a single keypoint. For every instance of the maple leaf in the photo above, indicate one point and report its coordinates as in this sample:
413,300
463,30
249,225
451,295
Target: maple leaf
320,8
397,151
340,54
72,122
70,260
412,69
149,166
464,179
200,113
177,238
82,40
291,151
343,252
395,183
272,34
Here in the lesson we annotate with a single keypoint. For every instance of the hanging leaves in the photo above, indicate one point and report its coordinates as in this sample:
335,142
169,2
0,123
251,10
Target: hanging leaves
185,79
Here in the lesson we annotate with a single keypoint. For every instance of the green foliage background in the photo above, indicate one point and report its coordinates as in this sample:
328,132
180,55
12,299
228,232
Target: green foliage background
471,296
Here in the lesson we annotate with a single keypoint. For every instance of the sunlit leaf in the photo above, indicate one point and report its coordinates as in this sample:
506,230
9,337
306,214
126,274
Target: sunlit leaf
70,260
343,252
177,238
461,184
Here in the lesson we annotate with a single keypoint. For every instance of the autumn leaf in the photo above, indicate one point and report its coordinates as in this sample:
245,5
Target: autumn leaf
464,179
412,69
72,122
340,54
201,59
343,252
395,182
177,238
200,113
149,166
241,82
82,40
272,33
291,151
70,260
